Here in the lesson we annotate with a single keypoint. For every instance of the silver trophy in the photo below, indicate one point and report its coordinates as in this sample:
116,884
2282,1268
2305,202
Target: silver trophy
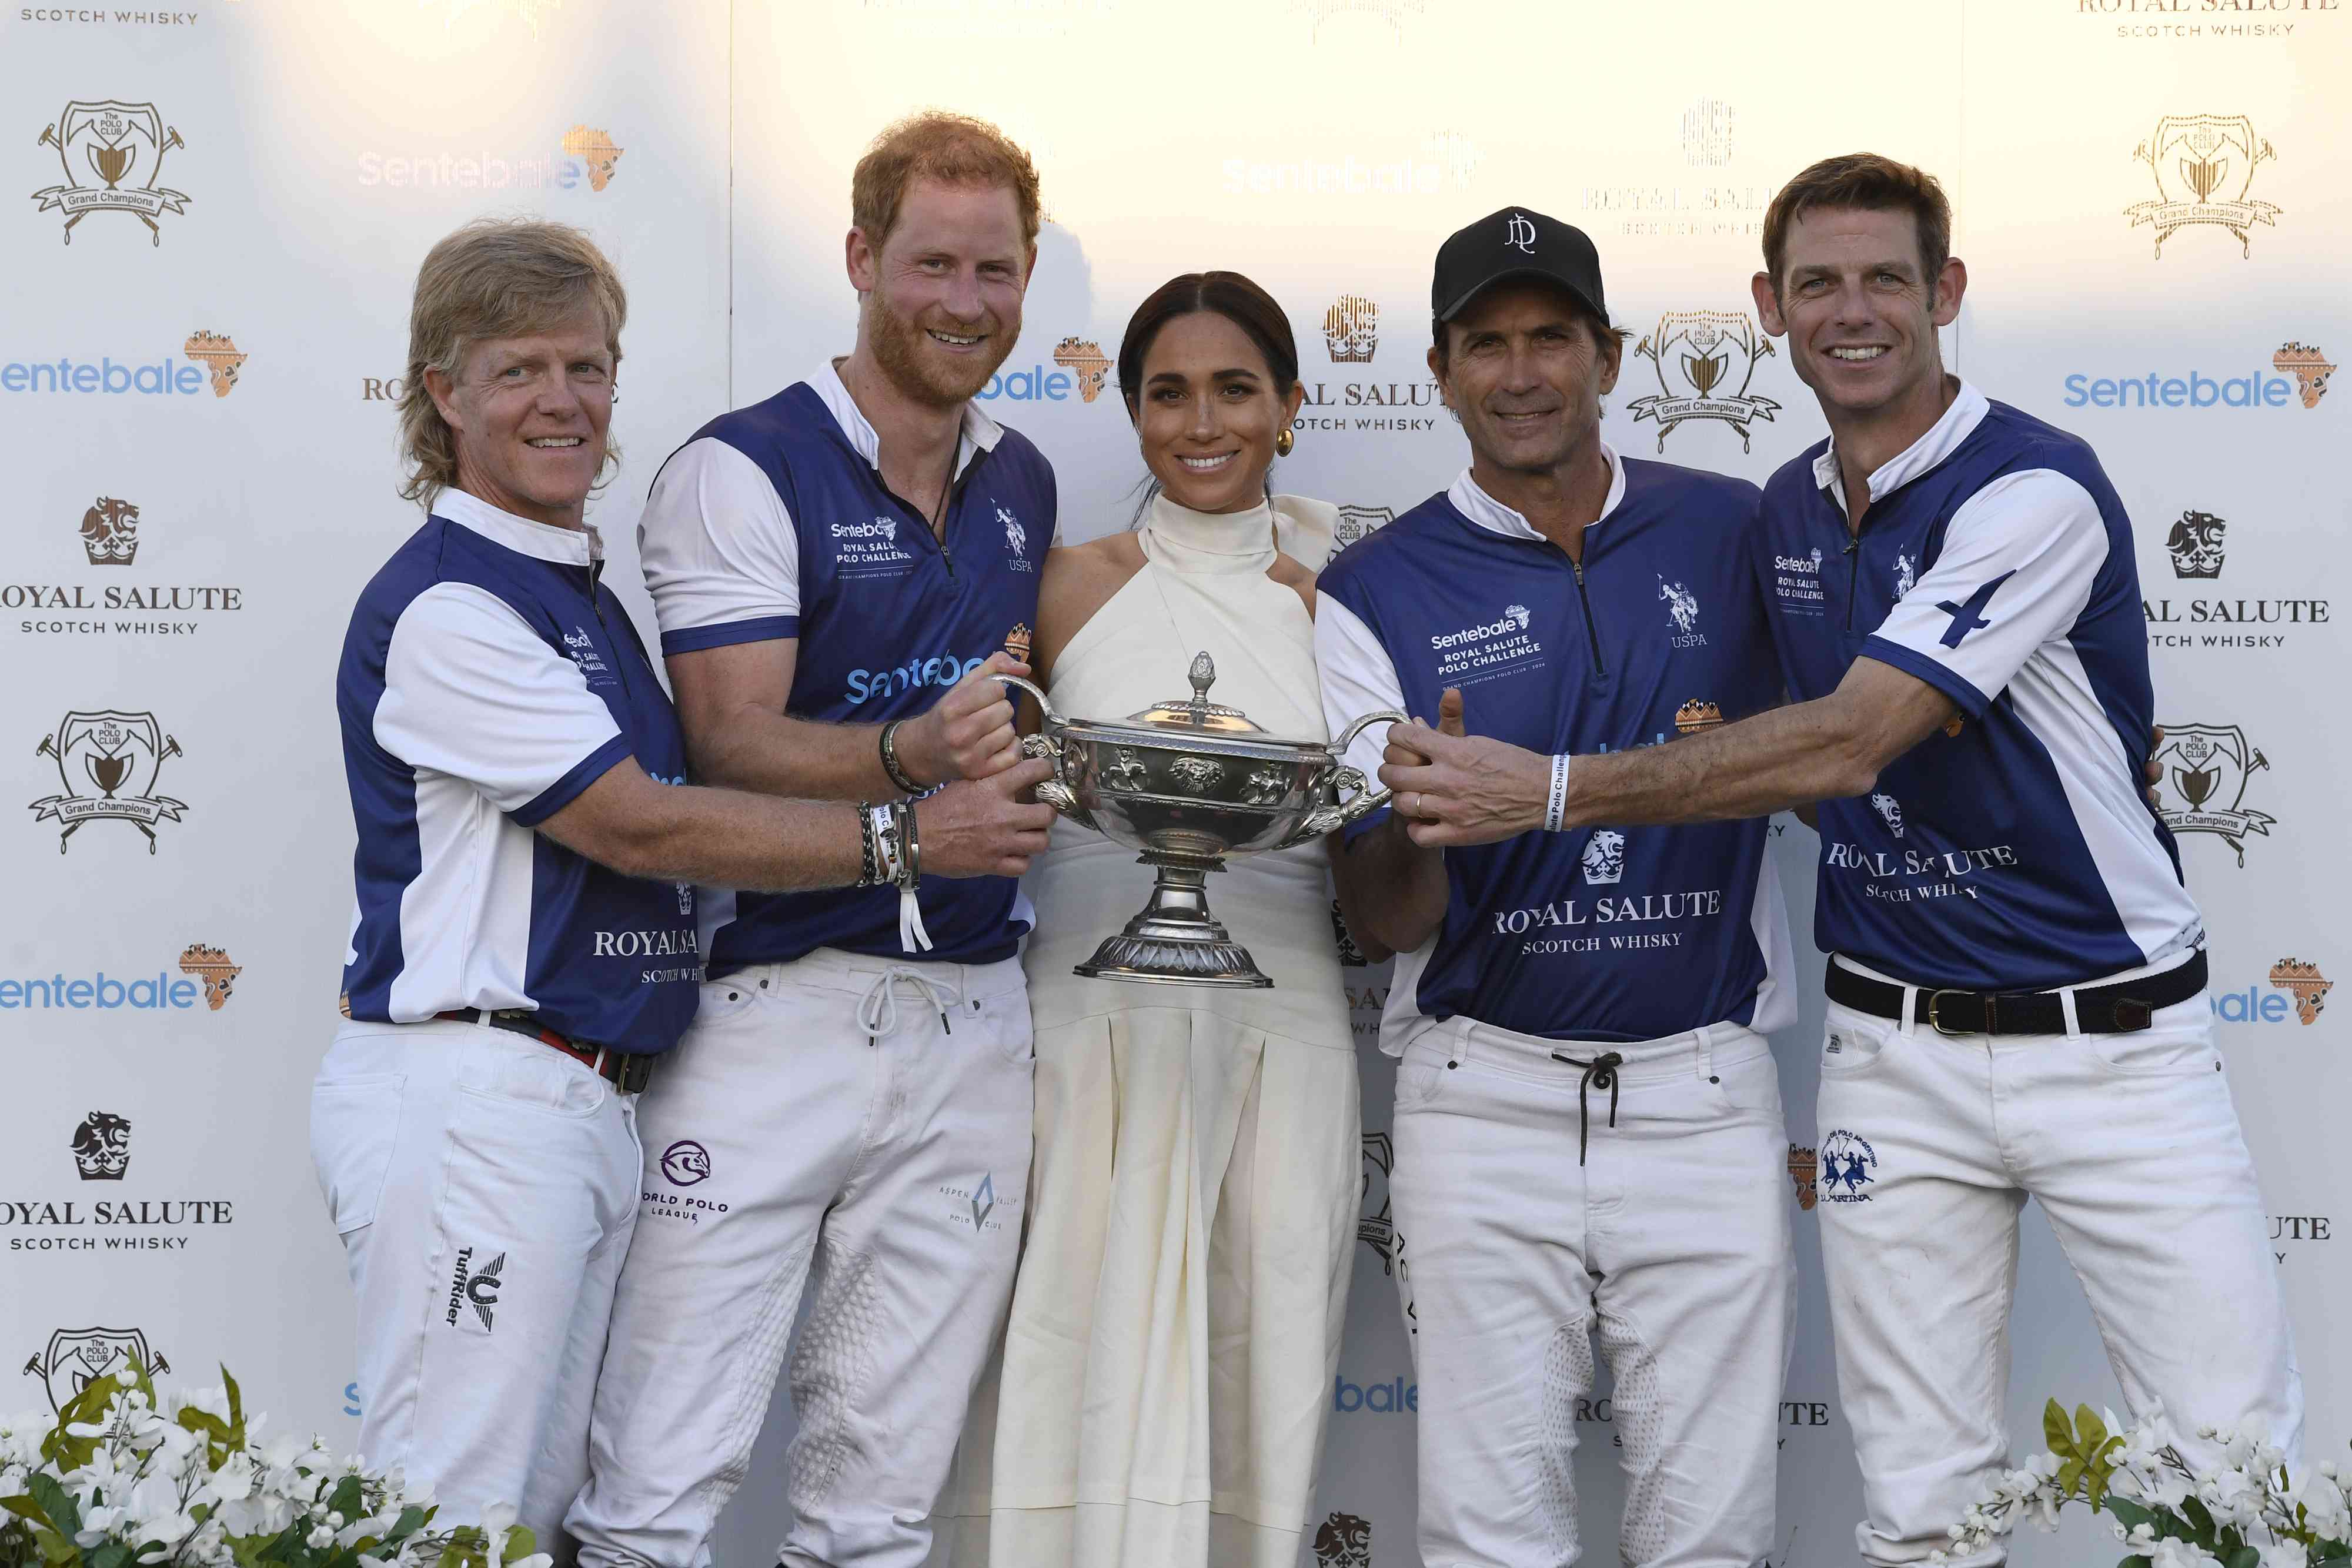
1186,784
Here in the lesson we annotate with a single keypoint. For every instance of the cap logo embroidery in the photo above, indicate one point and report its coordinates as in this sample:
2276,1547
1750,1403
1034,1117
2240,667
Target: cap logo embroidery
1519,233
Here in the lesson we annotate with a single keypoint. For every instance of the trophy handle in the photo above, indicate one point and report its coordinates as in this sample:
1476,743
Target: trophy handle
1341,807
1056,791
1054,721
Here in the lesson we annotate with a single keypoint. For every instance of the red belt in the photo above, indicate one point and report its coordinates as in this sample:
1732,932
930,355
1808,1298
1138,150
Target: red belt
624,1070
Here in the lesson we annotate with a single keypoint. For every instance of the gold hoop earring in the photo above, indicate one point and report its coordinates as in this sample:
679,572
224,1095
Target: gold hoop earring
1284,441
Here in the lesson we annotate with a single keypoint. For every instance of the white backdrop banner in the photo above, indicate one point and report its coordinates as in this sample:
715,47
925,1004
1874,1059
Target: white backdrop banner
217,216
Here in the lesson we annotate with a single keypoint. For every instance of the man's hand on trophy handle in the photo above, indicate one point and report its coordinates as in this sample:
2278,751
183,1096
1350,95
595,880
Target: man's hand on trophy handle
968,733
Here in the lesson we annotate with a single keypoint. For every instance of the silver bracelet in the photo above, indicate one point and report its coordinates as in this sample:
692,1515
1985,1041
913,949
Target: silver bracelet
1556,808
890,759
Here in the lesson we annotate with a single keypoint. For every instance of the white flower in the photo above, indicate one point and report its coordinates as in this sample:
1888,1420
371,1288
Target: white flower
2285,1554
2182,1554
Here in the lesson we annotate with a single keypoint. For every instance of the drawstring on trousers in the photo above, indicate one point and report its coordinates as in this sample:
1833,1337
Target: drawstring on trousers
1600,1072
878,1010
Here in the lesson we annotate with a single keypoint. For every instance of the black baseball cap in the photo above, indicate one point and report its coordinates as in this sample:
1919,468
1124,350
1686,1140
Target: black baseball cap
1516,242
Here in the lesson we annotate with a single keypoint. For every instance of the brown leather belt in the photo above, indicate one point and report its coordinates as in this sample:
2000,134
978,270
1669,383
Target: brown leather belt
2124,1007
625,1071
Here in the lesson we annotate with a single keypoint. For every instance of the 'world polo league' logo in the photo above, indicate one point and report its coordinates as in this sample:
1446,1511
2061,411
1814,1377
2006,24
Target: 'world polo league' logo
101,1146
2195,545
119,755
109,532
75,1358
1705,360
2203,165
1847,1160
1352,329
685,1163
1084,361
1343,1541
2203,790
115,141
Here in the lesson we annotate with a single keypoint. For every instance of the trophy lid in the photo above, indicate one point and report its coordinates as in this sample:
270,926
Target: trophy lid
1196,715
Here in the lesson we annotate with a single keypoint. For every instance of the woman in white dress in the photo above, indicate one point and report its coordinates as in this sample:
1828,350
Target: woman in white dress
1175,1324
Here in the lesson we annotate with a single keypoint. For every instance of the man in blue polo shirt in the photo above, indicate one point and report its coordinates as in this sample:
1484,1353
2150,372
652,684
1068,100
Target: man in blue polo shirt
840,571
2017,985
523,947
1588,1120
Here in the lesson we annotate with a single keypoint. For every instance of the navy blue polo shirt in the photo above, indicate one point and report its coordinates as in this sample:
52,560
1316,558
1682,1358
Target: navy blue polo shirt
1615,932
773,523
2016,848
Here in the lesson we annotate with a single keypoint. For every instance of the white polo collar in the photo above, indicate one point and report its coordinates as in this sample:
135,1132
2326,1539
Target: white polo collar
1474,503
541,541
1943,439
980,432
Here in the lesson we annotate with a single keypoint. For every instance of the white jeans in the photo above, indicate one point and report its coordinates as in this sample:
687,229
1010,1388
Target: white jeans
865,1117
1672,1238
484,1186
1930,1144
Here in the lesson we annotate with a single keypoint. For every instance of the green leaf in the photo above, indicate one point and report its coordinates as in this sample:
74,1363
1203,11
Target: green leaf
2089,1429
113,1554
521,1543
235,1410
2054,1432
2069,1477
2132,1515
346,1498
2200,1519
410,1520
58,1503
2243,1557
2136,1561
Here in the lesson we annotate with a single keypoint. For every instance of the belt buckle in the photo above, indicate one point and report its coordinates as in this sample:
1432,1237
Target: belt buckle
1935,998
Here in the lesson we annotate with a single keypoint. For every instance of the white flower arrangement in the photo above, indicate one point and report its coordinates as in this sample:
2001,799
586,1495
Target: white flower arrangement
125,1476
2249,1513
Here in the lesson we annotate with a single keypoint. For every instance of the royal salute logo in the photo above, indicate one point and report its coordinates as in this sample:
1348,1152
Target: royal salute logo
1343,1541
2308,366
2305,984
1707,133
1358,522
2207,768
2195,544
1890,812
1603,859
1085,360
1352,329
1847,1161
219,356
1375,1226
115,143
1705,360
212,967
109,532
2203,164
1805,1172
109,762
101,1146
593,148
1694,716
475,1288
75,1358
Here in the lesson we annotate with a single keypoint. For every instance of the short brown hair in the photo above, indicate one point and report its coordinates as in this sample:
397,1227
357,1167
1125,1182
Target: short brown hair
1871,184
495,278
954,150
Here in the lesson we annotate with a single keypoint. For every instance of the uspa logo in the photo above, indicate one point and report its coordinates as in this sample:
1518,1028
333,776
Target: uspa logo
1705,360
2207,768
1375,1226
1016,539
101,1146
1682,608
75,1358
121,145
2204,166
109,761
1847,1161
2195,544
1804,1170
1352,329
1343,1541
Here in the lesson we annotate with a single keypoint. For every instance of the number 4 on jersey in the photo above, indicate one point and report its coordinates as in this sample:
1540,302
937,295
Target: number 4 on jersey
1969,617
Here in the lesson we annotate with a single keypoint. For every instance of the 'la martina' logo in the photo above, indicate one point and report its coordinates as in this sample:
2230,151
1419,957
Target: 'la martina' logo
2203,164
1375,1226
2206,769
1705,360
118,756
1352,329
115,141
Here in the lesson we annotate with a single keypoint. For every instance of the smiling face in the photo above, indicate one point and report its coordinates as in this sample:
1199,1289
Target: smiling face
942,294
1859,310
1209,413
1524,374
531,415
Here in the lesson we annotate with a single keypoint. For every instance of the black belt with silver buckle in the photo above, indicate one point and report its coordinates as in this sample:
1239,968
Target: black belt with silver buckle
625,1071
2124,1007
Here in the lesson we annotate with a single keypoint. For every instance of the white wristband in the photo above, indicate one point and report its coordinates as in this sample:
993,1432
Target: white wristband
885,838
1556,808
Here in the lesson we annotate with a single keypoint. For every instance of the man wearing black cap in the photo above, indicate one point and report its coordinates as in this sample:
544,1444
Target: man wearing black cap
1588,1121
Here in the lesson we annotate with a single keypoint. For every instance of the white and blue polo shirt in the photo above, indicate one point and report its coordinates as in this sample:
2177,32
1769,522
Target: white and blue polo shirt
2016,848
1613,934
772,524
489,678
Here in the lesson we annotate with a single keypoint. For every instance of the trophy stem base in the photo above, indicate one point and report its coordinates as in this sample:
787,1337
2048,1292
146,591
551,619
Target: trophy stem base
1175,941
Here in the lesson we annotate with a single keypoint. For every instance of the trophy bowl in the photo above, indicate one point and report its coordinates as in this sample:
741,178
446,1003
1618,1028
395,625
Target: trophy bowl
1186,783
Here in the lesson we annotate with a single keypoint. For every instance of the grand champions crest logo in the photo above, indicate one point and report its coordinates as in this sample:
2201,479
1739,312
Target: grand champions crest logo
109,762
113,142
2207,768
2204,166
1705,360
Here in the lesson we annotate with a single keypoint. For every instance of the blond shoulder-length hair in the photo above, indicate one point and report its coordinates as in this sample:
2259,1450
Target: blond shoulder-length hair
496,277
